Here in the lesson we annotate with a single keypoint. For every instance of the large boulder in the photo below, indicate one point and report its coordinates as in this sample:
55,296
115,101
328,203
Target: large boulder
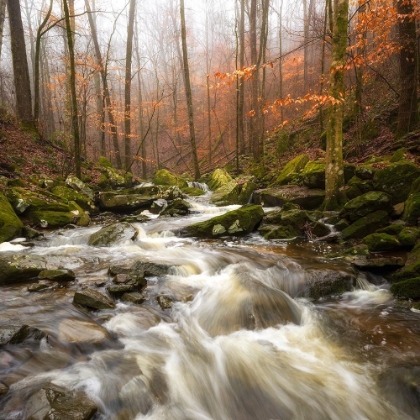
366,225
365,204
76,184
304,197
117,202
93,299
164,177
235,192
408,236
55,402
18,268
380,242
69,194
412,209
111,179
411,268
74,330
235,223
396,179
218,179
313,174
407,289
112,234
10,224
357,186
178,207
295,166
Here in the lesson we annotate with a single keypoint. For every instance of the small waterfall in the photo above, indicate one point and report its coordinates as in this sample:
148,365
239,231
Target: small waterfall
199,185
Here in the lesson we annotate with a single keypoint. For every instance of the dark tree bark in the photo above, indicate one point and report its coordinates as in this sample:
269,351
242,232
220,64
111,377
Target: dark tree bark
407,111
20,65
188,92
2,17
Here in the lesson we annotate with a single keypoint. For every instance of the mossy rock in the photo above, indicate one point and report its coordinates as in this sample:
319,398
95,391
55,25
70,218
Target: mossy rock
365,204
164,177
76,184
398,155
411,268
10,224
117,202
235,223
110,179
104,162
295,166
178,207
54,219
409,236
57,275
113,234
218,179
69,194
365,172
82,218
235,192
379,242
313,174
366,225
393,229
407,289
357,186
396,179
412,209
349,171
193,192
18,268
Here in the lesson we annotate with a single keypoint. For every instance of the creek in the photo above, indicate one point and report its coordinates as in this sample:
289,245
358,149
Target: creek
241,341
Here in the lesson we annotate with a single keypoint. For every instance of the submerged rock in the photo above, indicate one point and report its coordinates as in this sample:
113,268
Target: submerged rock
93,299
74,330
55,402
112,234
57,275
235,223
26,334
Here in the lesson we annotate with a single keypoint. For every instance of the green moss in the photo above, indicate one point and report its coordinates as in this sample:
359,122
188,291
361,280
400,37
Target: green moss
164,177
366,225
53,218
378,242
365,172
104,162
82,218
233,193
409,236
236,222
193,192
393,229
295,166
218,179
313,174
68,194
407,289
412,209
398,155
10,224
411,268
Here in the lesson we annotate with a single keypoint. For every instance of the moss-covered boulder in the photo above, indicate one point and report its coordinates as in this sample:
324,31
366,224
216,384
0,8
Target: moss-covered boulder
393,229
235,192
81,217
411,268
193,191
178,207
112,234
295,166
396,179
164,177
116,202
378,242
69,194
365,204
398,155
111,179
57,275
18,268
412,209
365,172
408,236
218,179
313,174
357,186
366,225
10,224
302,196
407,289
234,223
76,184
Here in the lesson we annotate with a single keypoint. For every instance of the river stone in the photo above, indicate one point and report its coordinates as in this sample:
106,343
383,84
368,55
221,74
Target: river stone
293,167
42,285
158,205
112,234
165,301
17,268
7,332
26,334
93,299
177,207
119,289
141,269
380,242
235,192
249,217
375,263
302,196
321,284
117,202
58,403
69,194
164,177
10,224
133,297
75,330
407,289
78,185
366,225
57,275
3,388
172,193
365,204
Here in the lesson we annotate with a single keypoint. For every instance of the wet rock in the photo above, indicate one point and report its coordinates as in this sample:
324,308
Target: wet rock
26,334
292,168
376,263
366,225
218,179
412,209
81,217
30,233
4,389
302,196
56,402
177,207
69,194
140,218
158,205
133,297
380,242
57,275
120,289
141,269
164,177
235,192
407,289
112,234
322,284
93,299
396,179
172,193
10,224
75,330
7,332
42,285
165,301
17,268
117,202
365,204
313,174
78,185
408,236
411,268
235,223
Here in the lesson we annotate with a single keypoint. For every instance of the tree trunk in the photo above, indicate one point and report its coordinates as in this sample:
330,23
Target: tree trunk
188,92
20,65
2,17
334,169
127,88
241,93
75,122
281,58
407,109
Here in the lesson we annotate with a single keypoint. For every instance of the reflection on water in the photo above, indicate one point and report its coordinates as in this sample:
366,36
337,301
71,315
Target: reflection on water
240,341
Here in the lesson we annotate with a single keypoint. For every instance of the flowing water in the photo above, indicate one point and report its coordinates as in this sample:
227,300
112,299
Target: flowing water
241,341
